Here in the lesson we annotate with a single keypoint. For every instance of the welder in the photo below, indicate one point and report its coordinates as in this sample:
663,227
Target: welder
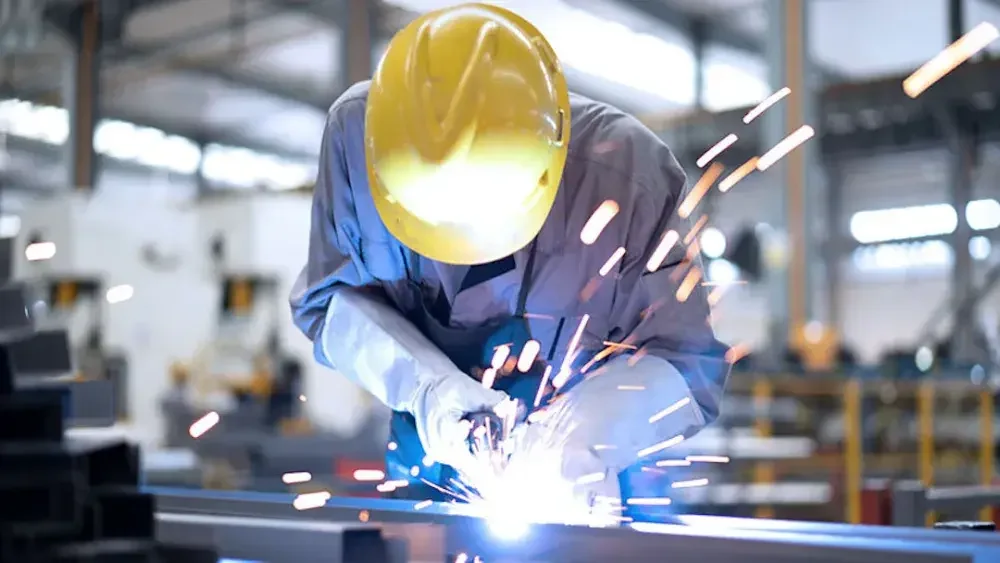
452,192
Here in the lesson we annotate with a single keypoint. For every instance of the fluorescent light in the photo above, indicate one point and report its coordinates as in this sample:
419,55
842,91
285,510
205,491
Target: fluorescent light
902,223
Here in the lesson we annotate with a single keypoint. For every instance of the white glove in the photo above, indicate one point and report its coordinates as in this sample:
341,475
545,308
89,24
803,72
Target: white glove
375,346
439,409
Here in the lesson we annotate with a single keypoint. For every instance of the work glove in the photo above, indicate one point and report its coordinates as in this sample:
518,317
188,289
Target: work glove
440,408
627,411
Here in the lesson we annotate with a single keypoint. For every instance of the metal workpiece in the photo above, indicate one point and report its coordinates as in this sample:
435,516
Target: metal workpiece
235,521
276,505
650,542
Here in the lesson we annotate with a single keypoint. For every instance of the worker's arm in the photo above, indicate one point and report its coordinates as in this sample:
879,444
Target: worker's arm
341,307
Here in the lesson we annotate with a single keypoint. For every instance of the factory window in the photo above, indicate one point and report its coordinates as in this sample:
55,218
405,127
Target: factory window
154,148
244,168
621,55
928,255
40,123
10,225
901,223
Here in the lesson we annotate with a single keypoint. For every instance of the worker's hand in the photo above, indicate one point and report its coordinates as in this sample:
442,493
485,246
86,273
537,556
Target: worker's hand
439,410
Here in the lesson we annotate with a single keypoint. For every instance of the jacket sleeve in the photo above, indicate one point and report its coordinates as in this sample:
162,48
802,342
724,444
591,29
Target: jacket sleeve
657,311
334,260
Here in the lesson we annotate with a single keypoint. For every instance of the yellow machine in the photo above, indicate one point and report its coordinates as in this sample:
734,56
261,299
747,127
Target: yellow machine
816,345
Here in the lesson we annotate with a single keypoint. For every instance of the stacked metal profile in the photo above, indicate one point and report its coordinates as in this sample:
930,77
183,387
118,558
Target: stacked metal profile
63,502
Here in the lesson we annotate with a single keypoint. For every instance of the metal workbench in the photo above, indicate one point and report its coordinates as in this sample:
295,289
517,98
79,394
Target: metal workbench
266,528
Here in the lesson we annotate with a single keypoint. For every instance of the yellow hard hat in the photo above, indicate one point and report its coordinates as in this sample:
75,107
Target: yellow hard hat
466,132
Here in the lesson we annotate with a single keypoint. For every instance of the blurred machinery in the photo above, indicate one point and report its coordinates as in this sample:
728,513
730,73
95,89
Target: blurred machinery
244,368
247,381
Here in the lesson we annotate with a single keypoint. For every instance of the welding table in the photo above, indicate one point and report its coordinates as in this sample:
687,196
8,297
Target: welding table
266,528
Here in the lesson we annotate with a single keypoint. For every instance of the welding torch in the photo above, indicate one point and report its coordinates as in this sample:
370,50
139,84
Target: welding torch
490,430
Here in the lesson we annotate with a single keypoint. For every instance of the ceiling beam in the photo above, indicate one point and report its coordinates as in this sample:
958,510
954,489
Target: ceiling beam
715,32
857,119
170,53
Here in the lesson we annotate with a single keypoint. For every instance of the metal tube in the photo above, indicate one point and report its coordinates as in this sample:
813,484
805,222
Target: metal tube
986,447
852,450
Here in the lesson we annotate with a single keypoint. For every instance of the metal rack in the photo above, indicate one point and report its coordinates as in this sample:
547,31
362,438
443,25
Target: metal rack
939,430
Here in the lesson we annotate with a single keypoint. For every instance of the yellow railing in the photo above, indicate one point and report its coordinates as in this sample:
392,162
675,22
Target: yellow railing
847,395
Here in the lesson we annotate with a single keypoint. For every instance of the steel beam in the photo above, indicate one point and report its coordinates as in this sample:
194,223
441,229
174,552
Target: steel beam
356,42
83,93
719,540
857,118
